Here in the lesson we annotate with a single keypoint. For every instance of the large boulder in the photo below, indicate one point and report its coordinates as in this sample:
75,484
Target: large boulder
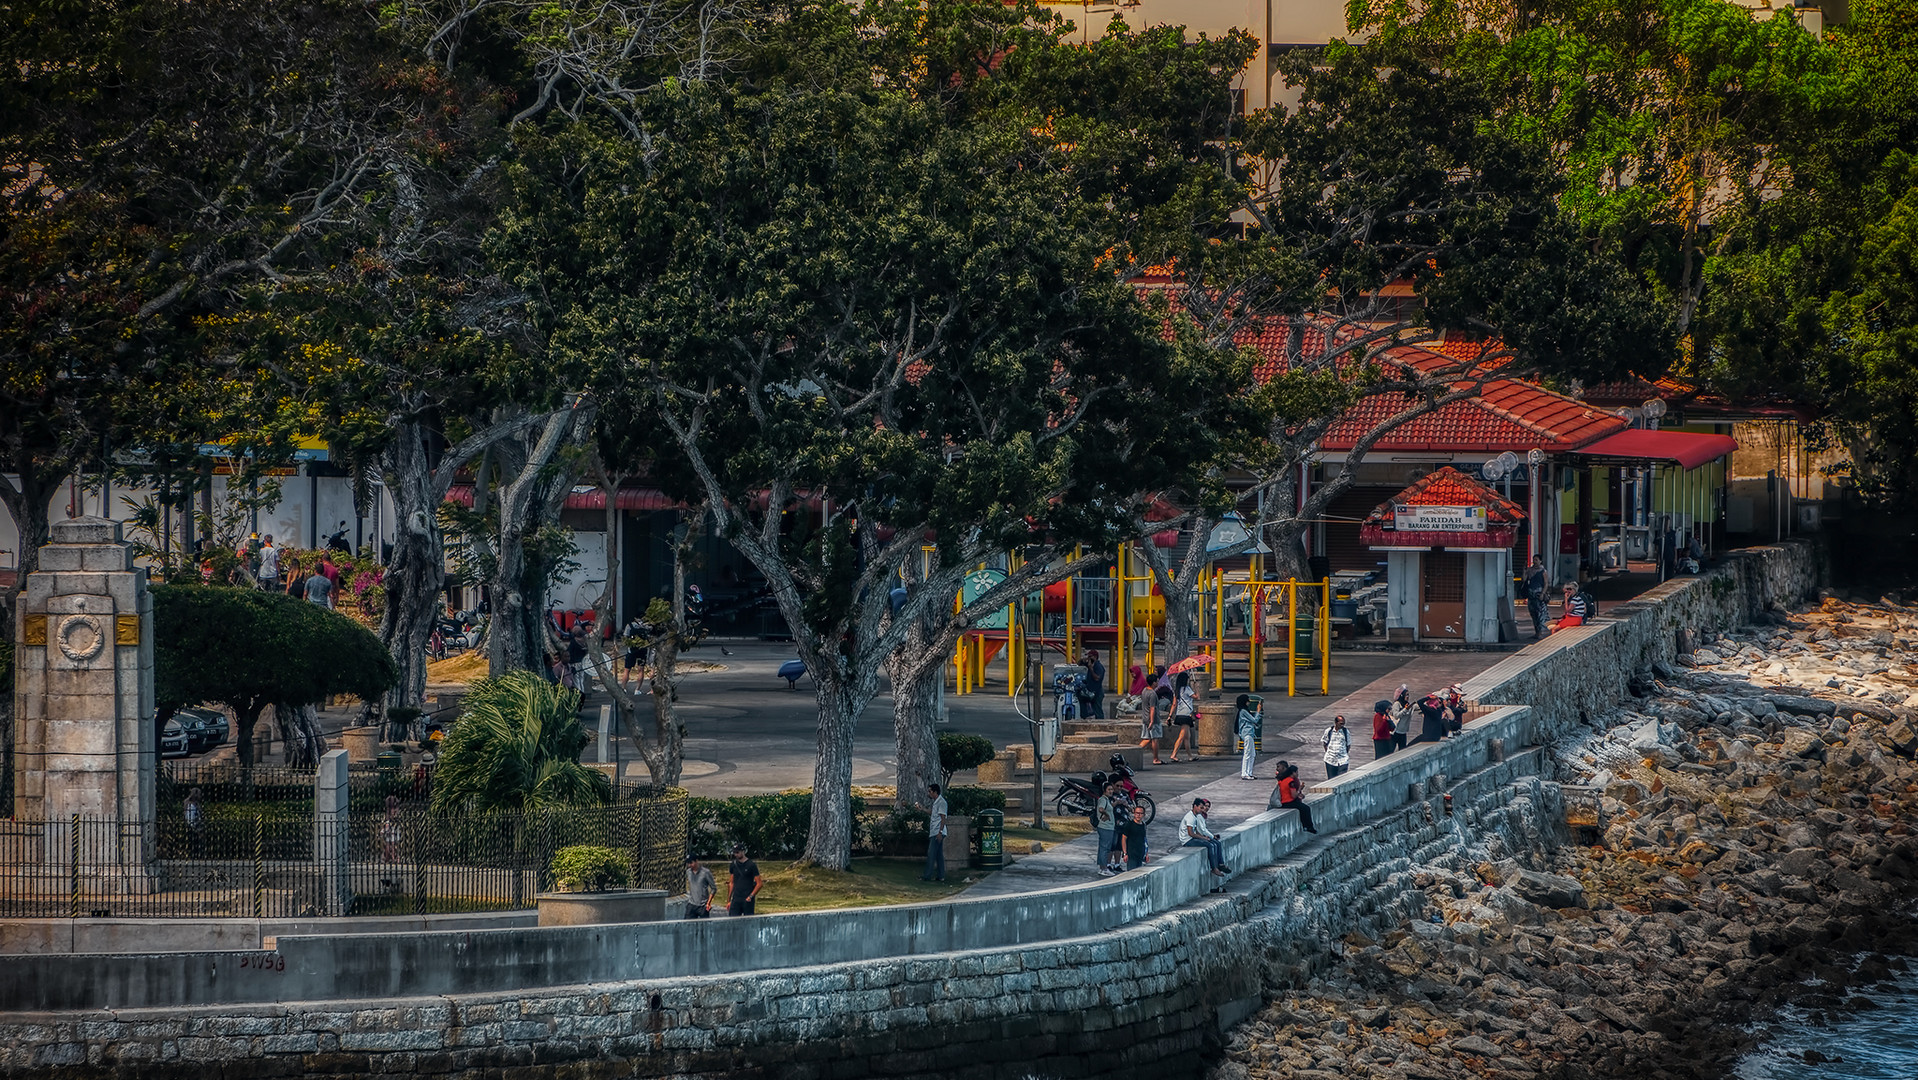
1804,706
1547,890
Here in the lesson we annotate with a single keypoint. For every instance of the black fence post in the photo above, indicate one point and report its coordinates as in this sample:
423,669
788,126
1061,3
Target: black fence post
73,870
259,866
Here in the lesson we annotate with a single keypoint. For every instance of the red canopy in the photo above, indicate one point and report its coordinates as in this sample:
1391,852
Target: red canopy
1689,449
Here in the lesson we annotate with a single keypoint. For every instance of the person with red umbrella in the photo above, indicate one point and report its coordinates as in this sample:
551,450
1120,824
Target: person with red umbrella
1185,713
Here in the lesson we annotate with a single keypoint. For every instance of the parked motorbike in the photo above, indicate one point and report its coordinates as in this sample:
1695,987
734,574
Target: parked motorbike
1077,797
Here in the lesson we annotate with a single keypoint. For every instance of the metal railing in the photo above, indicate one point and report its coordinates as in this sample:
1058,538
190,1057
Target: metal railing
236,861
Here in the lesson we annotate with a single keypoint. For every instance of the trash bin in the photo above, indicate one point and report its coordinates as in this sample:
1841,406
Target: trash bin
388,764
991,825
1306,639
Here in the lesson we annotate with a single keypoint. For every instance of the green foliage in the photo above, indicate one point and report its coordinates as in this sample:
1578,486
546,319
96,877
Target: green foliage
583,868
959,751
245,648
900,832
968,801
771,826
516,746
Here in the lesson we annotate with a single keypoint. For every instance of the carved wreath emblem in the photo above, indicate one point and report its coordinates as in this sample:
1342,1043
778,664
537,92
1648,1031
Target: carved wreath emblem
81,637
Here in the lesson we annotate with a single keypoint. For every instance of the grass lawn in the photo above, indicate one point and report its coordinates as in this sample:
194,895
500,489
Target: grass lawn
1063,829
870,882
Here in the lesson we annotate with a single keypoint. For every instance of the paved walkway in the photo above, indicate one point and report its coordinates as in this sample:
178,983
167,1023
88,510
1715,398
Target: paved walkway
1217,778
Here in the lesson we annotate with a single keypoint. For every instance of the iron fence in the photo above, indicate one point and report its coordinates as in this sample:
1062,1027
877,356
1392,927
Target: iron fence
238,862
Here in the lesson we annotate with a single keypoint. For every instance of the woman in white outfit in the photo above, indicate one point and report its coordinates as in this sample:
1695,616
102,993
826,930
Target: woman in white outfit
1248,730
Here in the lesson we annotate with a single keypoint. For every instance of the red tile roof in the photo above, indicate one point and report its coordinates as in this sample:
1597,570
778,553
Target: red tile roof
1447,486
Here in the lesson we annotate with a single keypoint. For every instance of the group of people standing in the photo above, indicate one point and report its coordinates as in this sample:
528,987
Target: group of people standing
318,583
1435,717
1166,701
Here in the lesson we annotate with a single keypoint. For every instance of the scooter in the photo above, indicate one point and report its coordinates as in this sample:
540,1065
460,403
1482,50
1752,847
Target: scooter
1077,797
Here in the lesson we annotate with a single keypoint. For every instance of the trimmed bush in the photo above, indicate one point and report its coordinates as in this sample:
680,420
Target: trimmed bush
901,832
968,801
584,868
959,751
770,826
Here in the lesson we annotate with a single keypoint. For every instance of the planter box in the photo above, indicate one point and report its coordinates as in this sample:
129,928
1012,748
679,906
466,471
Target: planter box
362,743
589,909
1218,729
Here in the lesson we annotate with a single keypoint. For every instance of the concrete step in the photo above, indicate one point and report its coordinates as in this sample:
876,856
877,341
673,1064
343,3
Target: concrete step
1089,738
1095,727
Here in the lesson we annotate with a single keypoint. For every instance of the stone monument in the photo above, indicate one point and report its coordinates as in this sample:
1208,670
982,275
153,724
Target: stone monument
83,694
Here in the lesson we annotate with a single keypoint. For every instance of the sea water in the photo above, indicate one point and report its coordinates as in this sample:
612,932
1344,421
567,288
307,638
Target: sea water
1870,1044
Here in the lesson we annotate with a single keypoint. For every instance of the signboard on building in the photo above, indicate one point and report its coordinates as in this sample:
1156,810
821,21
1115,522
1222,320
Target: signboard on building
1459,519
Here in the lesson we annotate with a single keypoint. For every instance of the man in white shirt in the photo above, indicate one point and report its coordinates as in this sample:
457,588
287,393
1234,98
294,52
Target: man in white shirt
935,837
269,565
1197,832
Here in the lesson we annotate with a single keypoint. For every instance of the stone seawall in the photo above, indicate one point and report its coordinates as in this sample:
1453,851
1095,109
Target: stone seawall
1139,974
1149,999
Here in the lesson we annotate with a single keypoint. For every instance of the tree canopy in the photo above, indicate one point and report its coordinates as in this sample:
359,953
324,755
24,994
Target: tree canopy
247,649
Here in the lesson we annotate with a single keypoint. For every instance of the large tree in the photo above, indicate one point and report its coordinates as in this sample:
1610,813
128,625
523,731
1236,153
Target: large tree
247,649
1381,212
869,312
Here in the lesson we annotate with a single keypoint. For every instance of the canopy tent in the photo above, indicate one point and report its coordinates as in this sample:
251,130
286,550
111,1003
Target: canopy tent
1686,449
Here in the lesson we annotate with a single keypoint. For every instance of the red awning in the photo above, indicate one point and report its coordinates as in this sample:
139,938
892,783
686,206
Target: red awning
1687,448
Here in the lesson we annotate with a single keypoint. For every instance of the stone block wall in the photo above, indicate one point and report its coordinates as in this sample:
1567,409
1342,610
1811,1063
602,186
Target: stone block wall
1148,1000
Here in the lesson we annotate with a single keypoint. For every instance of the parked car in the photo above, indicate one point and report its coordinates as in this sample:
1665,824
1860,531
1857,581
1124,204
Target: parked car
205,728
173,740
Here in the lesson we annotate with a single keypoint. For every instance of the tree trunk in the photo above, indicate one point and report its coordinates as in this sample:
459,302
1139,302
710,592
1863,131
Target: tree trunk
665,756
416,571
244,720
829,843
915,694
300,731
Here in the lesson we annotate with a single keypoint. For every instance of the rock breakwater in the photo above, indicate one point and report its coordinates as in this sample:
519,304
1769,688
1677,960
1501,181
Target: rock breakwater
1742,830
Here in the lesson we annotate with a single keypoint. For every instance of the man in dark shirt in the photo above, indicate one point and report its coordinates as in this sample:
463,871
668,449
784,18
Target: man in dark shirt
1132,838
745,884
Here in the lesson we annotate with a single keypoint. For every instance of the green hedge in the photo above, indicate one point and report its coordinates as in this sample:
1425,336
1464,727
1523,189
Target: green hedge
770,826
968,801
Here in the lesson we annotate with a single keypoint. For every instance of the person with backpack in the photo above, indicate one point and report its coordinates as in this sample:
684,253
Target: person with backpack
1094,686
1155,700
1337,741
1289,794
1535,586
1578,607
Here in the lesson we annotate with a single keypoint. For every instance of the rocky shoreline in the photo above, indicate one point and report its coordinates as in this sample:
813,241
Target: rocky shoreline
1739,837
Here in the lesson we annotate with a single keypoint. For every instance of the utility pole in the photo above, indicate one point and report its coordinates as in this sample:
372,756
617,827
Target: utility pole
1035,670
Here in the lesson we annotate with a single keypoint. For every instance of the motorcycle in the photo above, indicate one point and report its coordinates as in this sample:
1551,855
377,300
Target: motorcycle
337,541
1077,798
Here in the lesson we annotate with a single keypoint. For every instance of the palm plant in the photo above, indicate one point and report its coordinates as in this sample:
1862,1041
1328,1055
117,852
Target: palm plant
516,747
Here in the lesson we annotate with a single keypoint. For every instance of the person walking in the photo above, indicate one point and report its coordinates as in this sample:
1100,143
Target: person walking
1289,794
1132,838
269,575
1382,742
700,888
1105,822
935,836
1152,711
1337,741
1185,714
319,590
1198,833
1535,586
1248,731
746,883
1095,686
195,815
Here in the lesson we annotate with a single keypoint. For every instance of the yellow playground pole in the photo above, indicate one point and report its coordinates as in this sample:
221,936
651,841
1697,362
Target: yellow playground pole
1122,616
1218,631
1291,637
1071,654
1325,639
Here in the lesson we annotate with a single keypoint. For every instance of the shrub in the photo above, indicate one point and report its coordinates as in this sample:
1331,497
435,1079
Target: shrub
770,826
901,832
968,801
516,747
584,868
959,751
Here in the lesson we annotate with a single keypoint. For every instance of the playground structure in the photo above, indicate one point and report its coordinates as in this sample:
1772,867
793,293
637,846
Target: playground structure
1244,623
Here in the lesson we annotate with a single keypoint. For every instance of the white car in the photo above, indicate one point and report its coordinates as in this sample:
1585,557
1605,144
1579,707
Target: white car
173,740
